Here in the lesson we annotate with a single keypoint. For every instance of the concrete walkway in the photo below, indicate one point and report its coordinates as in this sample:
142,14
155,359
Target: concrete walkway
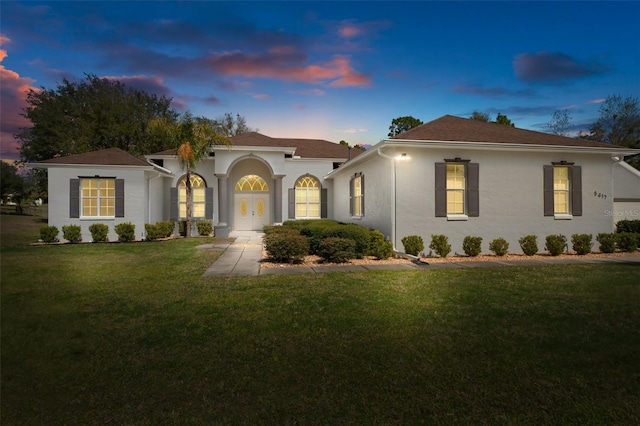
242,257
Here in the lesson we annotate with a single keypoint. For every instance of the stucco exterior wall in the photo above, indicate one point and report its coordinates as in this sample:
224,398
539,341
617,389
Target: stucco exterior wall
626,201
135,198
511,196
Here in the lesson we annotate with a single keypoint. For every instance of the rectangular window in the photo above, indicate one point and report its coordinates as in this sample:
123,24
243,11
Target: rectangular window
357,195
98,197
562,183
198,205
456,186
561,190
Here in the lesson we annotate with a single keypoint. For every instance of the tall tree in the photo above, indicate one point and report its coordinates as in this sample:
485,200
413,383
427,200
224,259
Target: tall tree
503,119
402,124
560,123
92,114
229,126
619,122
480,116
194,136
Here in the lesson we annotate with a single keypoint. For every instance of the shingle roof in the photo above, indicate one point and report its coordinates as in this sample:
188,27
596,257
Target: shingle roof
305,148
104,157
455,129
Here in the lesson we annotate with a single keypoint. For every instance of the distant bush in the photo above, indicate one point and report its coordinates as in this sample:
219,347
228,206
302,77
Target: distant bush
628,226
440,244
413,244
337,250
49,234
204,228
581,243
555,244
72,233
529,244
126,232
499,246
99,232
472,246
607,242
286,245
380,247
627,241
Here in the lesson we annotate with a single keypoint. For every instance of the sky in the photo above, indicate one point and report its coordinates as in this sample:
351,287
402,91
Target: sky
334,70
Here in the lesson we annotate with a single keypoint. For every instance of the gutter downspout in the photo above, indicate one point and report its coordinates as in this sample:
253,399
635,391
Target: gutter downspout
393,196
616,160
149,195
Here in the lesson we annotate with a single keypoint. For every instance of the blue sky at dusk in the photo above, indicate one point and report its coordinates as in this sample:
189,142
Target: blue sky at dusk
330,70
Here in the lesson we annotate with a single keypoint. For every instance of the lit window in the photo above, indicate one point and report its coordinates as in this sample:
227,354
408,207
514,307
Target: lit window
456,185
251,183
307,198
357,195
561,190
198,187
98,197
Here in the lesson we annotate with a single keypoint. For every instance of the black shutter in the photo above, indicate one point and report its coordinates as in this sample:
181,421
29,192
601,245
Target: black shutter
576,191
74,198
323,203
208,203
292,203
119,197
473,190
548,190
441,190
174,209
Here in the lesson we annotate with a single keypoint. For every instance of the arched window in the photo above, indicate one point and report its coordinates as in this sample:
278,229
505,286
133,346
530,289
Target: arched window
198,193
307,198
251,183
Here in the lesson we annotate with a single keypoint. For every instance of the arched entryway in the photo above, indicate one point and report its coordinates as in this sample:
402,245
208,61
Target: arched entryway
251,203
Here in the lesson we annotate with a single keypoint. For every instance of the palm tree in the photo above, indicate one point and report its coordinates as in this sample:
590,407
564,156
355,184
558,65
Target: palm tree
194,137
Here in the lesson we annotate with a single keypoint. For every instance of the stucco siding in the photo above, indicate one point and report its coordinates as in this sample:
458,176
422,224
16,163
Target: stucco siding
626,203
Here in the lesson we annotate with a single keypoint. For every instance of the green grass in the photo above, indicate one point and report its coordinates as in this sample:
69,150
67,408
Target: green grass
132,334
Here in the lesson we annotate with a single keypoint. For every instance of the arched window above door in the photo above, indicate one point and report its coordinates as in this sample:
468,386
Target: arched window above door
251,183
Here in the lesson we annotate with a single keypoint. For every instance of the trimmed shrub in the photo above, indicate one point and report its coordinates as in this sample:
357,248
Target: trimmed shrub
359,234
182,228
440,244
380,247
472,246
165,229
126,232
286,245
337,250
607,242
628,226
314,230
204,228
153,232
529,244
499,246
555,244
581,243
72,233
49,234
99,232
413,244
627,241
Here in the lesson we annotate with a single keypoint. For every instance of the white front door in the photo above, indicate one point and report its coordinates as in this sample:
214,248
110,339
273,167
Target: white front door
251,211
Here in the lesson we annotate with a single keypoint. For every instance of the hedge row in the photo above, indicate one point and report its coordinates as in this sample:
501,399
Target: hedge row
335,242
555,244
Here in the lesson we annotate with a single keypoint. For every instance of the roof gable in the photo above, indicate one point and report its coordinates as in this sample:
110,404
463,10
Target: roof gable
455,129
104,157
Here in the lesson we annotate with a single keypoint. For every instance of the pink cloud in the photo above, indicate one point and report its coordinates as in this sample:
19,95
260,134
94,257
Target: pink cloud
287,64
13,94
348,31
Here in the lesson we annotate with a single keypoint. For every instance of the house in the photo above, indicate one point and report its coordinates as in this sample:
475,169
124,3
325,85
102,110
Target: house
461,177
257,181
451,176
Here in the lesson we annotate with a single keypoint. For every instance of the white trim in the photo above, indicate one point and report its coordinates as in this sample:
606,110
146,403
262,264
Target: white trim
563,216
457,217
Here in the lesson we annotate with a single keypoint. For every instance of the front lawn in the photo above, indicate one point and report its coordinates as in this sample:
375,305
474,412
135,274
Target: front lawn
131,334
